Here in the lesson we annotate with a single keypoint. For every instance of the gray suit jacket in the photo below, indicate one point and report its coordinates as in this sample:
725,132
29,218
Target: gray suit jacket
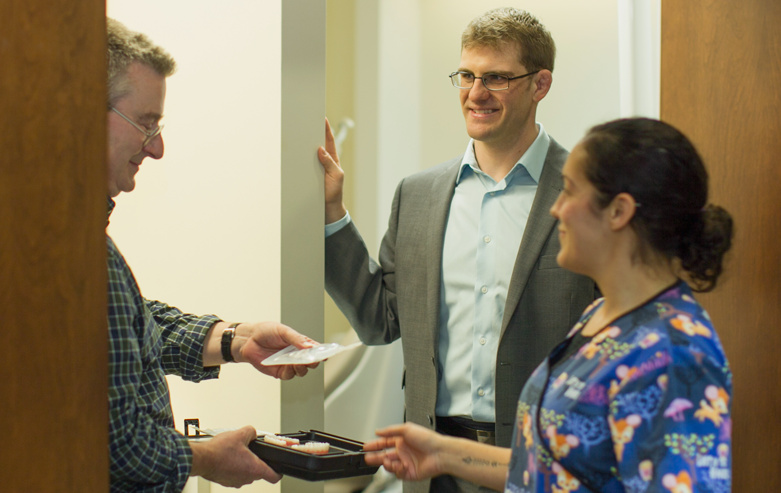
400,297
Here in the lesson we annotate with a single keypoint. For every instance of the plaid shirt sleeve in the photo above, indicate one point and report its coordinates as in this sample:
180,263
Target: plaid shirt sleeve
183,338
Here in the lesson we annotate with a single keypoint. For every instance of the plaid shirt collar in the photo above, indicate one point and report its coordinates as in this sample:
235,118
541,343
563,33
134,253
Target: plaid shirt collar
111,205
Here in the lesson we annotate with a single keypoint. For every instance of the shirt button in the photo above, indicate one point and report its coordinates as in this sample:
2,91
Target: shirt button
487,239
482,340
481,392
484,289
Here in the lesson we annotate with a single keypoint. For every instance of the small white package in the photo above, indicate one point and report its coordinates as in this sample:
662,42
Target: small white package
293,356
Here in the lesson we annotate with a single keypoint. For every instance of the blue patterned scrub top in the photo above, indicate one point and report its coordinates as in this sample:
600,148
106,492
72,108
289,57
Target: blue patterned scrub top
643,406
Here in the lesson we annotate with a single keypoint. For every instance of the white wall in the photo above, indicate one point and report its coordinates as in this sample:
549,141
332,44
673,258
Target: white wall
201,231
639,51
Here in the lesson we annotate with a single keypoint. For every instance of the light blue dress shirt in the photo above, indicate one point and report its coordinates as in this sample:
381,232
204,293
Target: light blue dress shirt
484,230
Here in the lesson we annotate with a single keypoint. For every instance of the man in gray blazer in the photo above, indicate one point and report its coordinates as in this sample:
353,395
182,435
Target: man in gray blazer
467,273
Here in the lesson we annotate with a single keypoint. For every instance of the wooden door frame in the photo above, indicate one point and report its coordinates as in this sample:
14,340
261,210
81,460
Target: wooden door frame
54,359
720,82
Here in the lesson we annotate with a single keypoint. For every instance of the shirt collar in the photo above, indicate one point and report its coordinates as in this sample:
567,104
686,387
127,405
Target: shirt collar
533,159
111,205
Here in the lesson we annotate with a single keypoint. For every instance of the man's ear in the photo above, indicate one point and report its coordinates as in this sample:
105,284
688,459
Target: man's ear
621,211
542,81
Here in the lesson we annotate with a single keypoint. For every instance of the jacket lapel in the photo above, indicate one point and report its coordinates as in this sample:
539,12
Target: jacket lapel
538,228
441,195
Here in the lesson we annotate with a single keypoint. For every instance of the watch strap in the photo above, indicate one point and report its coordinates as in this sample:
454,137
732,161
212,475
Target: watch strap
226,341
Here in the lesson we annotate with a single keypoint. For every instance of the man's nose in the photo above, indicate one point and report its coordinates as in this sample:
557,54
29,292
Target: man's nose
155,147
478,90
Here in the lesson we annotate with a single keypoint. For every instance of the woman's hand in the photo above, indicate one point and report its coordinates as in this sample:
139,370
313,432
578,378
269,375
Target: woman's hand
409,451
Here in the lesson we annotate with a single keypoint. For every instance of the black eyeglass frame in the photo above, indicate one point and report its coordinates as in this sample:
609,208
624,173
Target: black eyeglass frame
454,77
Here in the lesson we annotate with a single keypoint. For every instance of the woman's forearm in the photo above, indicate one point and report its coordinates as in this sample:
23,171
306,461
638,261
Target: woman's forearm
476,462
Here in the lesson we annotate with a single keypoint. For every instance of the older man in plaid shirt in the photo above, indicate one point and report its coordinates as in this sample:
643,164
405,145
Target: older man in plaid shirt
149,339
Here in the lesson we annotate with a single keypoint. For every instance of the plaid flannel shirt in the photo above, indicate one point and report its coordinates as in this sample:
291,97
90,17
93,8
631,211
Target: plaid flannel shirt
147,340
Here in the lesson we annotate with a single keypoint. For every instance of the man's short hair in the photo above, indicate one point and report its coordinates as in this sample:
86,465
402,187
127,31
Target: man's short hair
126,47
498,27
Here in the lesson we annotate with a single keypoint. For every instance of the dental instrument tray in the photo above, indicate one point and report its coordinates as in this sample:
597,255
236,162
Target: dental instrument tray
345,457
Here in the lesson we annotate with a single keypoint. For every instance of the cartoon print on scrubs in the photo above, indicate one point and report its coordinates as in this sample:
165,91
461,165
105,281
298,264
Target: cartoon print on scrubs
642,406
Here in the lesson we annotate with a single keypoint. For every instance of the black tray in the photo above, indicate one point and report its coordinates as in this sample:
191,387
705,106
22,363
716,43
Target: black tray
345,457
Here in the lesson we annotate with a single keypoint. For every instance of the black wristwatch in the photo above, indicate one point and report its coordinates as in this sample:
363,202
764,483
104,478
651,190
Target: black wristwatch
227,340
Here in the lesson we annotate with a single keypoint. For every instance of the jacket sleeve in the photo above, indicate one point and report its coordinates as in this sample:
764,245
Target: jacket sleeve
364,290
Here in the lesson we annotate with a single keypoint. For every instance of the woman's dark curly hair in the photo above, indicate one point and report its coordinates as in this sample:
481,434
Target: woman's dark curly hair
658,166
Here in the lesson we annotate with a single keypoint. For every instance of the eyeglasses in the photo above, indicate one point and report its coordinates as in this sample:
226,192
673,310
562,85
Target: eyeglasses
492,82
150,134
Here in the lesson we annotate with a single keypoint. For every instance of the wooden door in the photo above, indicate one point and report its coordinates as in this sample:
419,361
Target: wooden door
54,351
721,85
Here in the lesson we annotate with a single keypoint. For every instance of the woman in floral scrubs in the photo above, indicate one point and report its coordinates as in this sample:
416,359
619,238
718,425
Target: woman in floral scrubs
637,398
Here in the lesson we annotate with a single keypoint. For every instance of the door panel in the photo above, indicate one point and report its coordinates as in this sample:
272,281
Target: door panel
54,351
720,80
